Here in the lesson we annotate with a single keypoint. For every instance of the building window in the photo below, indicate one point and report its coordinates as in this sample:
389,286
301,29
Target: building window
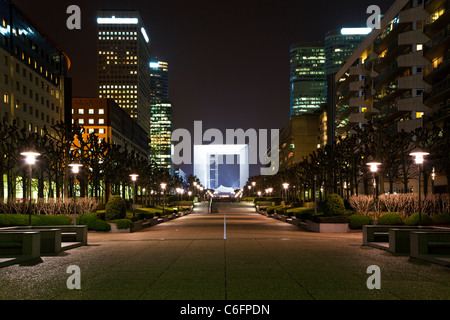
101,121
91,121
91,111
80,111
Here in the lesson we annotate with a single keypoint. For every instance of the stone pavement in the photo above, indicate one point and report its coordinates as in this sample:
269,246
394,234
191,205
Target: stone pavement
261,259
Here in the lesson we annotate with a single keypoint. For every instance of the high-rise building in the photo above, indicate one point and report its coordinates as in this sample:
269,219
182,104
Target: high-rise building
161,133
159,79
383,78
399,74
340,44
161,115
123,63
32,73
307,77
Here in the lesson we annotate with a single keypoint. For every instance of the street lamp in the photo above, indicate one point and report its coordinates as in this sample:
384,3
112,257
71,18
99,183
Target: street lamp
134,178
433,176
75,169
374,169
30,159
249,188
163,187
253,185
419,155
285,186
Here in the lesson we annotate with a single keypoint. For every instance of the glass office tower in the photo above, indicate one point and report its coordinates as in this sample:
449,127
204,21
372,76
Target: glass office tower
161,115
123,63
339,45
307,77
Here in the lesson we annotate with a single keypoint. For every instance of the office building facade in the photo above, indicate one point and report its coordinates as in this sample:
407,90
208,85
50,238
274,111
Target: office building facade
123,63
307,77
111,123
32,73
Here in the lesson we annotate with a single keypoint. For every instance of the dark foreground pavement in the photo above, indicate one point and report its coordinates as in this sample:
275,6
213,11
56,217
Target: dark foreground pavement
261,259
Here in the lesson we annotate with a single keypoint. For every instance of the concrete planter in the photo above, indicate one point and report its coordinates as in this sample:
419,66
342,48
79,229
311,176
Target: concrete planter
327,227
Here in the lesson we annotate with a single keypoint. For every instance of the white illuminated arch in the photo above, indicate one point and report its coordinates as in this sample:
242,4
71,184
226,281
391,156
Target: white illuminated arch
202,158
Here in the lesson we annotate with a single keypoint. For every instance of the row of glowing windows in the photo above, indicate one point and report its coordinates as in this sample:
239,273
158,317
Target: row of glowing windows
90,121
117,38
107,86
114,57
90,111
118,33
119,101
121,92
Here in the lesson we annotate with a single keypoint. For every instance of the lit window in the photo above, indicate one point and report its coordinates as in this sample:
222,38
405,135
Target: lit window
101,111
419,47
91,111
419,115
91,121
80,111
101,121
81,121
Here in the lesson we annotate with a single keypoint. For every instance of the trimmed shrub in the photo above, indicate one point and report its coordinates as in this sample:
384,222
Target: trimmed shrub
92,222
356,221
334,205
413,220
390,218
123,223
441,218
99,225
115,208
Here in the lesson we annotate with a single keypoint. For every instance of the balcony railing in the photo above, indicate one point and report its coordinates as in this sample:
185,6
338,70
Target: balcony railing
435,66
437,39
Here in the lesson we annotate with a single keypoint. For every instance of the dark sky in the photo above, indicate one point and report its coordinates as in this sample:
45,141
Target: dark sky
228,60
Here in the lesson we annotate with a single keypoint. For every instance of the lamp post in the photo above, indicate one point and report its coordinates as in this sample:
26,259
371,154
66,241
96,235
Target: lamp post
253,185
163,187
30,159
75,169
315,200
189,194
285,186
249,193
134,178
419,155
433,176
374,169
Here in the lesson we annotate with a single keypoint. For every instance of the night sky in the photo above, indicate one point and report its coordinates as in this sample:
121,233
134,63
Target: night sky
228,60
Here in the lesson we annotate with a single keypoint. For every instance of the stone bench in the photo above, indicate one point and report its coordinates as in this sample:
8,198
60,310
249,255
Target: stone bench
50,239
71,236
433,246
19,246
400,239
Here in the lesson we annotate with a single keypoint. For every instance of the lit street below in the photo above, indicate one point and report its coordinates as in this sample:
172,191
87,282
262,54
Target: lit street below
261,259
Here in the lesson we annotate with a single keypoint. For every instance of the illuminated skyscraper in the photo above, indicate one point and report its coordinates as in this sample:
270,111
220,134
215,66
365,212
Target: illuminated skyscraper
123,63
161,115
340,44
307,77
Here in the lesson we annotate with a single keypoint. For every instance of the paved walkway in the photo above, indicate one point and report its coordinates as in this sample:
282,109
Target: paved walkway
261,259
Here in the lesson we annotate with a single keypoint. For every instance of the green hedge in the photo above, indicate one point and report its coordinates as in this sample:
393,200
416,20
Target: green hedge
10,220
413,220
92,222
390,218
358,220
123,223
441,218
